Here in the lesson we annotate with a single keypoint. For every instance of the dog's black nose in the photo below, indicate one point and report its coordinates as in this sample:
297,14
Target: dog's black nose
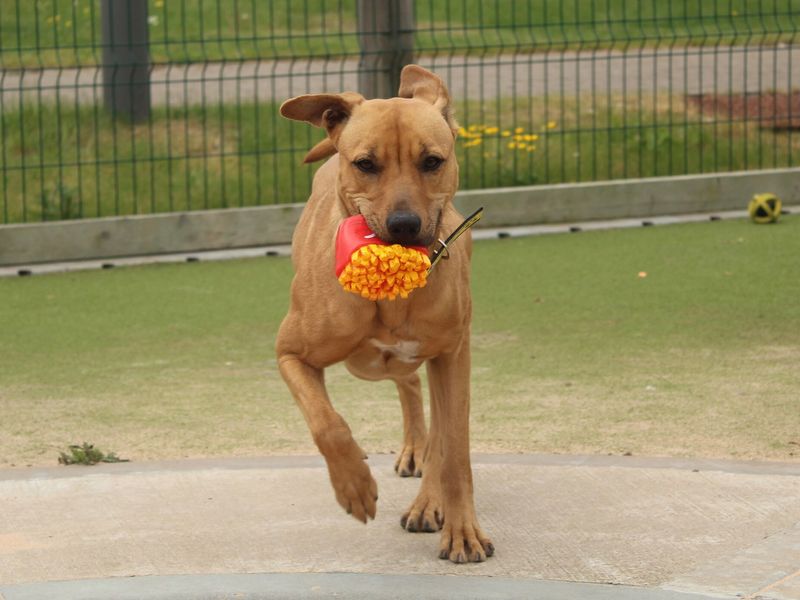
403,226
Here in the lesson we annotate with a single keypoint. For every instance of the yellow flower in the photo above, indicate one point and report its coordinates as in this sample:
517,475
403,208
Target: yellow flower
462,131
531,148
512,145
506,133
377,272
552,124
519,130
478,140
491,130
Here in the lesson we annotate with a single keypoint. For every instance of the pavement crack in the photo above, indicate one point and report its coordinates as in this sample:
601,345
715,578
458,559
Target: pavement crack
772,586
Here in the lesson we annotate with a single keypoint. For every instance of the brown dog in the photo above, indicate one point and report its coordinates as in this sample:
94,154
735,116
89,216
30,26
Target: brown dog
396,165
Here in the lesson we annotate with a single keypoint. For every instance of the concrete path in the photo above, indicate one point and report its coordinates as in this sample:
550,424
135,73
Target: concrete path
692,70
478,233
564,527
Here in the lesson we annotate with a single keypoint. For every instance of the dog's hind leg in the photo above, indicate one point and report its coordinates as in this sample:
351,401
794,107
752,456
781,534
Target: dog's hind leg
425,513
370,366
410,460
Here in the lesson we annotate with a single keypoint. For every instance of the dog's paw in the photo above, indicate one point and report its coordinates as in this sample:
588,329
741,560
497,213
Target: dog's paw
424,515
463,541
409,462
354,487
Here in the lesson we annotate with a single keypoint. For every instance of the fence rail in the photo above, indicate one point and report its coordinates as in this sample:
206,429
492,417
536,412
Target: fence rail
116,107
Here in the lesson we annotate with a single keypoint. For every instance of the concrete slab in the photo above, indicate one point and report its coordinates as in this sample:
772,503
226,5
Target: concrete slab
352,586
480,233
562,207
679,526
770,567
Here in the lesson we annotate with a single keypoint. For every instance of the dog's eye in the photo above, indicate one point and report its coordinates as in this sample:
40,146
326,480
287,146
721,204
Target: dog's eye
431,163
366,165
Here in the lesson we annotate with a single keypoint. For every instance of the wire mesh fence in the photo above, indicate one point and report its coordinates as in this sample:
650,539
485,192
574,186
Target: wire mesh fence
118,107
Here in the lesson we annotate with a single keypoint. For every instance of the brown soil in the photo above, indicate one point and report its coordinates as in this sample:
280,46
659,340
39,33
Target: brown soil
772,110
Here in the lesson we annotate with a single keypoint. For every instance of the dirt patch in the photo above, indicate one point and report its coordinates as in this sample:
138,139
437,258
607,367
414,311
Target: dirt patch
778,111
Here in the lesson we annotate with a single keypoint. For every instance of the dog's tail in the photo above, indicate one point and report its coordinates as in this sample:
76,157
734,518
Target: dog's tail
322,150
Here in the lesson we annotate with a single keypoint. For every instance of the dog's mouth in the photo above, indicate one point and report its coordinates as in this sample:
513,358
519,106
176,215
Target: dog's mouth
420,242
404,228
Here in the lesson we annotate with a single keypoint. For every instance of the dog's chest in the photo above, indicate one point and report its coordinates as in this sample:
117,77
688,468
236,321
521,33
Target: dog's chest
406,351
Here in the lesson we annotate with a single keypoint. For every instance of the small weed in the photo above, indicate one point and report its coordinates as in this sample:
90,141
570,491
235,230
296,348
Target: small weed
59,203
87,454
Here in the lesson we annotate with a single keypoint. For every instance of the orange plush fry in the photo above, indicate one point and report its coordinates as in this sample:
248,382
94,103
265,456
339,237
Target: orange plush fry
381,272
373,269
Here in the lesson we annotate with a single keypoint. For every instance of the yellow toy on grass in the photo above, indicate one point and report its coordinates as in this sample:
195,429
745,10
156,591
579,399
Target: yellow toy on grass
764,208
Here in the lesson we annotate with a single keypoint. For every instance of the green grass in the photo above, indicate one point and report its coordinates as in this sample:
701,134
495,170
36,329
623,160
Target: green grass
573,351
594,137
182,159
59,162
67,32
698,357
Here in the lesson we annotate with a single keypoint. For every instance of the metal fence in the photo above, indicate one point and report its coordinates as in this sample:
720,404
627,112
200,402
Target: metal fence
117,107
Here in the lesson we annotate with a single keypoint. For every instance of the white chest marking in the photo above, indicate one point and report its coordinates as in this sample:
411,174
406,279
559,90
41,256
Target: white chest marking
403,350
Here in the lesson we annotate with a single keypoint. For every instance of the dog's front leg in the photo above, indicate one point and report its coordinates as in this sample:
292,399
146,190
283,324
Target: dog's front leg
353,484
462,538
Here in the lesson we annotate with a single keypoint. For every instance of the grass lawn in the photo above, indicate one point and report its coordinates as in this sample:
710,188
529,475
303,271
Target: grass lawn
67,32
59,162
574,351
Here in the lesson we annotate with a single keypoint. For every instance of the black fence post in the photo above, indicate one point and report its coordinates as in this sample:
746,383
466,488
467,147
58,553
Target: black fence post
126,58
386,37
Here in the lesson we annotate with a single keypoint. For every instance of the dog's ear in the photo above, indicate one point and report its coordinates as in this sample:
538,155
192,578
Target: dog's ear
330,111
324,149
421,84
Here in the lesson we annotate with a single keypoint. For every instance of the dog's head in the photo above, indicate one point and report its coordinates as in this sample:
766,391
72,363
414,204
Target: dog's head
397,163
